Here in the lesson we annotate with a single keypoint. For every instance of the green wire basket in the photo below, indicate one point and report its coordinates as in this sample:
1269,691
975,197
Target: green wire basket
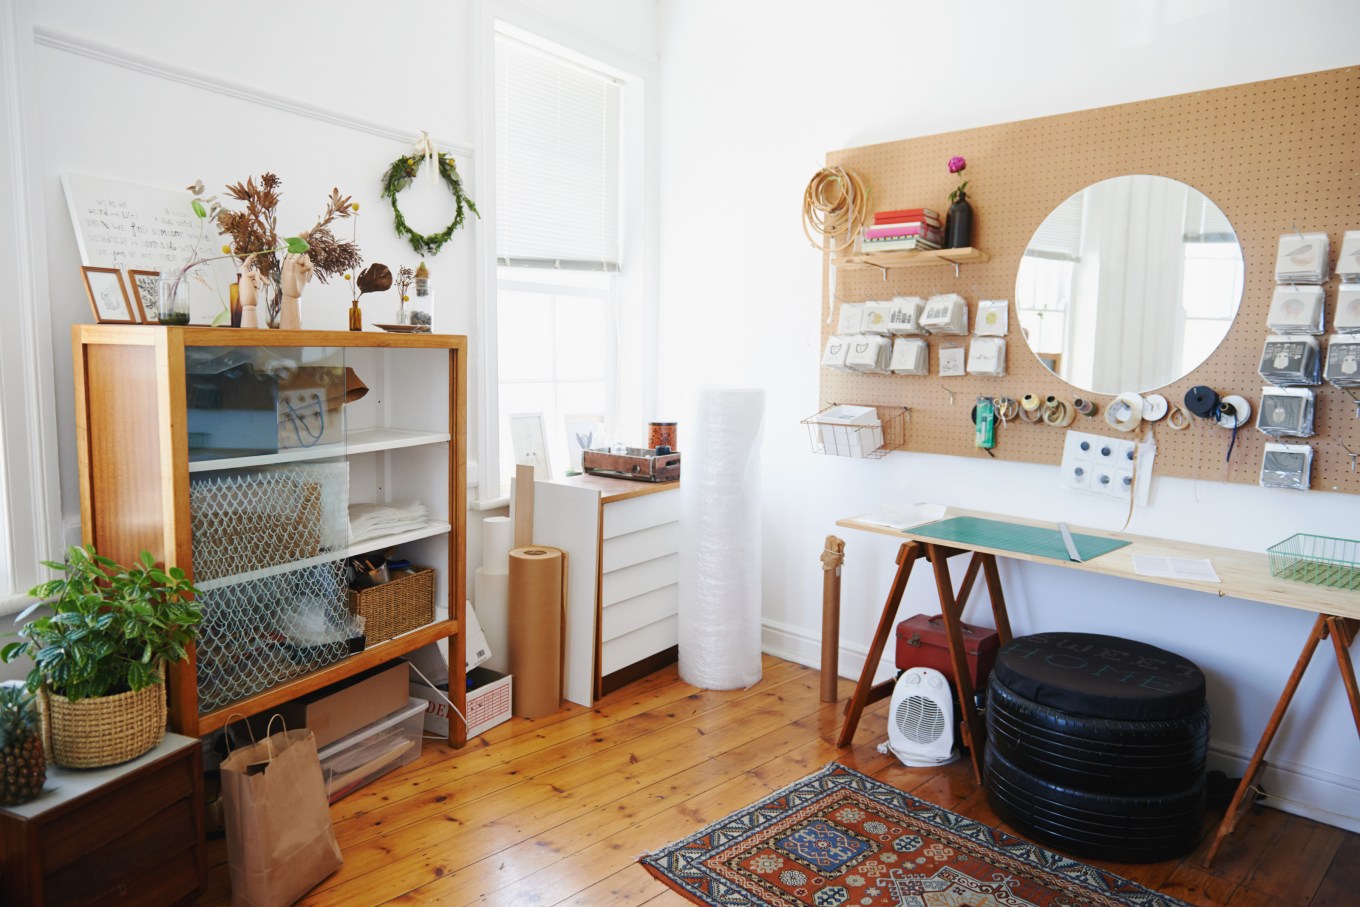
1317,559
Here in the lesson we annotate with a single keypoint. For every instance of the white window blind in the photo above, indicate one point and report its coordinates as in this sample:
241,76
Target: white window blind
557,161
1059,236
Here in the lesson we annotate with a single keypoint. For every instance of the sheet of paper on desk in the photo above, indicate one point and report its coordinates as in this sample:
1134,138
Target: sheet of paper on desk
1175,568
904,516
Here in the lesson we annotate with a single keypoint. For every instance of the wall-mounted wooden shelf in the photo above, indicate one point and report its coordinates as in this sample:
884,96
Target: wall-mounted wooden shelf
904,258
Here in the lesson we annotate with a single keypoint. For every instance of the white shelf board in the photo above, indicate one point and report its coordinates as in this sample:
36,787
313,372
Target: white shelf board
434,527
365,440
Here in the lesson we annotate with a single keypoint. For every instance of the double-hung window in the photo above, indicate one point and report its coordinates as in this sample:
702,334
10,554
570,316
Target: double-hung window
566,319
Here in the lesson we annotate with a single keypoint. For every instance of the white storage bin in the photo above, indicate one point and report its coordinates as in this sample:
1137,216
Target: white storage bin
374,750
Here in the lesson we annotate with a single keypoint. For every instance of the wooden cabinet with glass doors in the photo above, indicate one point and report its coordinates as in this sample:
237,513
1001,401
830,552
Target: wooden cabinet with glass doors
238,455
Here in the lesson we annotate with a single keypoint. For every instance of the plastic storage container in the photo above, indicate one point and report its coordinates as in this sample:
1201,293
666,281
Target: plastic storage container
374,750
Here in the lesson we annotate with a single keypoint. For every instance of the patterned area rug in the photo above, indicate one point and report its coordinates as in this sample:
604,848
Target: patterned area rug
841,838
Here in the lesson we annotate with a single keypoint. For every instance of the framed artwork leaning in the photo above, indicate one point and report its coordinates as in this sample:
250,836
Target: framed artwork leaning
109,299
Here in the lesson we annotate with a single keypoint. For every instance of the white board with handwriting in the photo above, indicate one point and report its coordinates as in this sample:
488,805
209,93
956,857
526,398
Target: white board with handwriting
132,226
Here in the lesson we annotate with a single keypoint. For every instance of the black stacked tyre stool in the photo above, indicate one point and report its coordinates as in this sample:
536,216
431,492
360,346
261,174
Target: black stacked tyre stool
1096,745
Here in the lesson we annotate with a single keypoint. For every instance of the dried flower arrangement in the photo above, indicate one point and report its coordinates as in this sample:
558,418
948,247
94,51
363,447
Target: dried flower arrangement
376,278
405,277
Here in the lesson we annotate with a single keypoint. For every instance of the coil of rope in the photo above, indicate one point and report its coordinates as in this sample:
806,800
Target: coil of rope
835,208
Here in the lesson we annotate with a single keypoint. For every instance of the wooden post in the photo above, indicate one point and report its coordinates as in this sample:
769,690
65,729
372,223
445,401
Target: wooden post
524,506
833,555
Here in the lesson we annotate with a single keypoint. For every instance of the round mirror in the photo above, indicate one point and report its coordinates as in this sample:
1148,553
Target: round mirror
1129,284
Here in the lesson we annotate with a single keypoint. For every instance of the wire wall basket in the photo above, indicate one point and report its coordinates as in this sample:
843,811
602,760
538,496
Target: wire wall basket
1317,559
258,633
244,521
866,432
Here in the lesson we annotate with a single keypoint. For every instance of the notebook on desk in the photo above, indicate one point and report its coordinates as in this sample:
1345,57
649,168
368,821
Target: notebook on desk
1002,536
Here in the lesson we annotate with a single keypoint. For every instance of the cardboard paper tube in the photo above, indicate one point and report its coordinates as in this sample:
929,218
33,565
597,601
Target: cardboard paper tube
537,608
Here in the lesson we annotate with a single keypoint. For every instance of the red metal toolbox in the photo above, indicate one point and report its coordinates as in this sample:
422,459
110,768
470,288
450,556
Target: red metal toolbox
922,643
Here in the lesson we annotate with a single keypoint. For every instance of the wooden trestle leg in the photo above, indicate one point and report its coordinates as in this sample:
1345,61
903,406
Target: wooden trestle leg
1343,631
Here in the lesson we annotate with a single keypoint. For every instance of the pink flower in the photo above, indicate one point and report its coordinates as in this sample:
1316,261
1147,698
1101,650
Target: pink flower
956,164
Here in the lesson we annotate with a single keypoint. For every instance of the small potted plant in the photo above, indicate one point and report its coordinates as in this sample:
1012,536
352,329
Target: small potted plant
99,656
23,764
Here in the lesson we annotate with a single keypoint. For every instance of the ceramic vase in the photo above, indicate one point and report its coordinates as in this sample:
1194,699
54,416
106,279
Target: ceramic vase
958,226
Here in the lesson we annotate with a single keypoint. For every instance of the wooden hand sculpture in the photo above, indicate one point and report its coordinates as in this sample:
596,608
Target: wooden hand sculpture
297,271
251,280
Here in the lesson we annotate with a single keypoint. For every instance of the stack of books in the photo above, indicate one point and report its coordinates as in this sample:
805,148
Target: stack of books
912,228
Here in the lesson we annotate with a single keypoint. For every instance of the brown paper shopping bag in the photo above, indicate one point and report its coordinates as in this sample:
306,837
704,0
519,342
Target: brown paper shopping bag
280,842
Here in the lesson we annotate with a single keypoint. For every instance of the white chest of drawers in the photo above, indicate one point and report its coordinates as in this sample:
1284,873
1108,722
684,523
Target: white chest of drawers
622,541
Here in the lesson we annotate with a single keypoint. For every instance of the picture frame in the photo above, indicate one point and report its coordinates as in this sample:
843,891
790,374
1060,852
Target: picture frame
584,430
109,300
143,286
529,443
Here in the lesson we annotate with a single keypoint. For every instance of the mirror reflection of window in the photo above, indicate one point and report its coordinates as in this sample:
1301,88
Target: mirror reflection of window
1129,284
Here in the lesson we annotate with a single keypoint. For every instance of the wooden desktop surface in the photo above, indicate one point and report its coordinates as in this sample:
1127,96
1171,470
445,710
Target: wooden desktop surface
1244,574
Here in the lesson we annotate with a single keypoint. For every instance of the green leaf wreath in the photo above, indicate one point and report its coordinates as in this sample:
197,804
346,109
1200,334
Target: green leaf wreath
400,175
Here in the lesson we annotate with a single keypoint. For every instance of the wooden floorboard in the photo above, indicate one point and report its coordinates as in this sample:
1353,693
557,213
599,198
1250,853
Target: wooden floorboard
555,811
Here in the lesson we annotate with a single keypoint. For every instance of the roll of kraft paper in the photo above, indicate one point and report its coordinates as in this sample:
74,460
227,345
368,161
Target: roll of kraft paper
537,608
497,535
491,598
719,621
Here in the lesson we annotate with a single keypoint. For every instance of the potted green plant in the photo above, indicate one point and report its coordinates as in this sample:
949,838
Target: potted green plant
23,764
99,655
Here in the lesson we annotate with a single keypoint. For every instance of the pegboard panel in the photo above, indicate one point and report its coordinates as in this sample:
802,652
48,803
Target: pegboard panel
1271,155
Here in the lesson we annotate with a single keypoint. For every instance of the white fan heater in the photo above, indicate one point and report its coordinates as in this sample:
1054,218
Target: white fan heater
921,721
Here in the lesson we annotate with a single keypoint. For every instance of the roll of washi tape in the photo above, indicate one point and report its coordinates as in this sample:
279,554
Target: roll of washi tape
1154,407
1234,411
1125,413
1057,413
1202,401
1084,406
1029,403
1030,415
1178,418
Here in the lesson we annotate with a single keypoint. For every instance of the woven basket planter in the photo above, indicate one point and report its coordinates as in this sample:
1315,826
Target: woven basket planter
105,730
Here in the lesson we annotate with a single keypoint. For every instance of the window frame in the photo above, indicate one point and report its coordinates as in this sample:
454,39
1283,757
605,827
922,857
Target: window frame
639,230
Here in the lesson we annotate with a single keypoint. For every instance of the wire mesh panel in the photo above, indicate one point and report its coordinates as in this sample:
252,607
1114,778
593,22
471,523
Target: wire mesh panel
261,632
243,521
1317,559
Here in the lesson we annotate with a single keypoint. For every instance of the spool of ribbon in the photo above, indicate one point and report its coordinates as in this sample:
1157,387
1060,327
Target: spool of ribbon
425,148
1202,401
1233,411
1084,406
1057,413
1125,413
1154,407
1029,403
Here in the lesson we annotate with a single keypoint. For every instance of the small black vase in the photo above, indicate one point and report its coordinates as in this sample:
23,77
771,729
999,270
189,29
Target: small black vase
958,226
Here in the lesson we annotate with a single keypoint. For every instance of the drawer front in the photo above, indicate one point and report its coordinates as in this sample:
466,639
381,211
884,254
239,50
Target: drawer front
630,582
108,816
634,613
635,646
643,512
643,545
130,865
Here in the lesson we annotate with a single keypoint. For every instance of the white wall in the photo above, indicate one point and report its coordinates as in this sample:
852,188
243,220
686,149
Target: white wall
753,96
163,92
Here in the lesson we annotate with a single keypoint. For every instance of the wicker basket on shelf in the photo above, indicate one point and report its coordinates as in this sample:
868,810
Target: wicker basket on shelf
397,606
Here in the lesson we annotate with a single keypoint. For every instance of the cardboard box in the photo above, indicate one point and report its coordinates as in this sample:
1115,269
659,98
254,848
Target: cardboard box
344,707
488,703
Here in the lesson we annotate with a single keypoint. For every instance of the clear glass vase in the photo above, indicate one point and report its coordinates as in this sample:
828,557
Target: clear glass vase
172,299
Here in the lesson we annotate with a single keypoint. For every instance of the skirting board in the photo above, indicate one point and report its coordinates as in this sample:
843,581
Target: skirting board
1293,788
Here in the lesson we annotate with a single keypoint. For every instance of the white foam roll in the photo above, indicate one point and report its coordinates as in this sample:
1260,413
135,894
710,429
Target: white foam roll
498,535
1125,412
719,621
491,597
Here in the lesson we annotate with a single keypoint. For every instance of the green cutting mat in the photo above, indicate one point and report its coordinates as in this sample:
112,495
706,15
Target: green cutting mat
1035,540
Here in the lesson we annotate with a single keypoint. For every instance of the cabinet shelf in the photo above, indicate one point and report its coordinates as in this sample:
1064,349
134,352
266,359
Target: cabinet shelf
905,258
307,683
367,440
376,543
